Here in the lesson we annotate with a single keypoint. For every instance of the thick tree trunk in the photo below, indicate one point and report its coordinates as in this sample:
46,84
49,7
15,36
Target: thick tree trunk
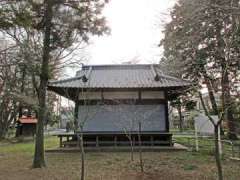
227,104
223,55
217,153
39,160
226,86
2,131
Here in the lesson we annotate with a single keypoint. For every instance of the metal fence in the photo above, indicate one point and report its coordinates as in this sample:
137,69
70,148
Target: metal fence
229,148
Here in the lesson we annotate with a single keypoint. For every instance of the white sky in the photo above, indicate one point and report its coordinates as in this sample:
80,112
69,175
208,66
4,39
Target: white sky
136,30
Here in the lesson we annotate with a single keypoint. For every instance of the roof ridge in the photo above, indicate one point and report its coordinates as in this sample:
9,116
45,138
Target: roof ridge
117,65
155,73
65,80
169,77
120,76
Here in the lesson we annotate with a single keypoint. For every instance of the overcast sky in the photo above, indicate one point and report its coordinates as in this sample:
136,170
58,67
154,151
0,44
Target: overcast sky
136,27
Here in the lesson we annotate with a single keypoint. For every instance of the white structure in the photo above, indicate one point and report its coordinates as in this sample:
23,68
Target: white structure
203,125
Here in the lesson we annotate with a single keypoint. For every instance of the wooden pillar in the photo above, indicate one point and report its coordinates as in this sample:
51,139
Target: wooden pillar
76,116
60,141
152,142
115,140
134,140
238,150
166,111
97,141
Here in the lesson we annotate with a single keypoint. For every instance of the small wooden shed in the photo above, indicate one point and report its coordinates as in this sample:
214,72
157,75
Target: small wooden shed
26,126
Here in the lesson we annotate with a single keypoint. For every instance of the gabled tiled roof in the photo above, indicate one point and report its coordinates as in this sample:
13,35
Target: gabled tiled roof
120,76
27,120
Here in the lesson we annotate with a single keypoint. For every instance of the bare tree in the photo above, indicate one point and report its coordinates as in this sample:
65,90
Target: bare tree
57,23
127,125
131,119
86,115
10,81
81,96
216,125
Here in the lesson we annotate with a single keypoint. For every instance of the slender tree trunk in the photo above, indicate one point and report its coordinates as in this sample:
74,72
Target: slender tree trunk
76,125
39,160
216,134
82,155
7,117
20,113
217,153
179,109
211,96
131,144
140,146
20,107
212,99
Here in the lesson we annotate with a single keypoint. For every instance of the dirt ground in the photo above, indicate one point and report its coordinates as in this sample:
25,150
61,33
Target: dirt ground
16,161
116,166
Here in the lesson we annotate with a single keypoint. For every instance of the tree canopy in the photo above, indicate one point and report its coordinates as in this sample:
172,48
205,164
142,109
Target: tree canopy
202,42
44,29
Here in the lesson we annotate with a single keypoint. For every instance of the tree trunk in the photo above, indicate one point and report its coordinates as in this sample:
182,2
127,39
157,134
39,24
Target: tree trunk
179,109
76,125
20,106
217,153
20,113
212,99
131,144
2,131
7,117
81,145
216,134
39,160
211,96
140,146
227,104
223,55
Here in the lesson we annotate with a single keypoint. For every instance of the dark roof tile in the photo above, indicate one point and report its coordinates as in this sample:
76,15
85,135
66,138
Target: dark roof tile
120,76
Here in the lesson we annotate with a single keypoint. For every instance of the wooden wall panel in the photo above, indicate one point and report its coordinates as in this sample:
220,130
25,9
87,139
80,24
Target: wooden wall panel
120,95
152,95
90,95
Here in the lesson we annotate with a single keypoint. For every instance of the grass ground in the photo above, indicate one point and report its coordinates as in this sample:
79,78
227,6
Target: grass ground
16,160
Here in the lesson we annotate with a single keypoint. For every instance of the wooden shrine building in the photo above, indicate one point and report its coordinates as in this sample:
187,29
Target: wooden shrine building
26,126
112,101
